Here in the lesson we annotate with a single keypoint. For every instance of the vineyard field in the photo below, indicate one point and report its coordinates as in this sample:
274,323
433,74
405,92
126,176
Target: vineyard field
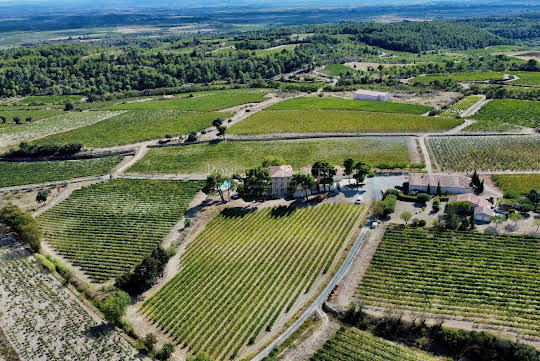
23,114
462,105
229,157
136,126
486,153
306,103
501,114
334,70
210,102
527,77
339,121
108,228
352,344
44,320
489,278
520,183
459,77
19,173
50,99
245,274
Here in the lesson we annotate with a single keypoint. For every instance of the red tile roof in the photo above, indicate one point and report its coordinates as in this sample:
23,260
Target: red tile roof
469,197
446,181
281,171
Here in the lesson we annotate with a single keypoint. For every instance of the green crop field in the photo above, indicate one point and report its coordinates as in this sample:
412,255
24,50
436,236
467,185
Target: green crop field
486,153
459,77
501,114
136,126
215,101
520,183
13,134
337,70
108,228
339,121
229,157
350,344
23,114
245,271
306,103
490,278
19,173
50,99
462,105
527,77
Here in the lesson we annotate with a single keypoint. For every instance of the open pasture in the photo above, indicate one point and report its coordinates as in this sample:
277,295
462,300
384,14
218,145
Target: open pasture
211,102
246,272
19,173
488,278
136,126
501,114
352,344
44,320
334,70
466,154
108,228
339,121
456,109
460,77
307,103
229,157
520,183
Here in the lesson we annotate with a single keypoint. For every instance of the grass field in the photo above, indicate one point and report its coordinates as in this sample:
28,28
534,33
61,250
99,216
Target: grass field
456,109
307,103
13,134
45,320
486,153
19,173
339,121
459,77
217,101
520,183
337,70
501,114
490,278
136,126
352,344
23,114
50,99
265,52
245,271
230,157
108,228
527,77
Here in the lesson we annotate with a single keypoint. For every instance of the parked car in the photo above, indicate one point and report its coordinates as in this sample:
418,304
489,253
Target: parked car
358,201
235,196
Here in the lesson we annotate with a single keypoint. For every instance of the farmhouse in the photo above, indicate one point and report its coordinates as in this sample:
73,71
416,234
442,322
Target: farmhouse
482,207
483,214
281,176
450,184
363,94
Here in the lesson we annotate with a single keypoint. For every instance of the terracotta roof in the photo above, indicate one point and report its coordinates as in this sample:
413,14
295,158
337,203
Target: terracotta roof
371,92
469,197
446,181
281,171
484,211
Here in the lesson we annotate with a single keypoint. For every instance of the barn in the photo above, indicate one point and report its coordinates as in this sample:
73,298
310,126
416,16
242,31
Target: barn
363,94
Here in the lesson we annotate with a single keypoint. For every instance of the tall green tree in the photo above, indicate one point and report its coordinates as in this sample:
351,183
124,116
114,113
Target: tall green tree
304,180
324,173
213,184
361,170
348,165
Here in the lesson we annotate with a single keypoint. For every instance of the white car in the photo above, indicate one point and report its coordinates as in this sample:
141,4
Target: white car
358,201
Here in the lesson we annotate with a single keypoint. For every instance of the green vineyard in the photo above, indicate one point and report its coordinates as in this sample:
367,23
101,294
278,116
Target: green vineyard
351,344
108,228
244,271
489,278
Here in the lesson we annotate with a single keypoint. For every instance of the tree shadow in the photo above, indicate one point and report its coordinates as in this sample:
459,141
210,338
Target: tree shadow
283,211
99,331
237,212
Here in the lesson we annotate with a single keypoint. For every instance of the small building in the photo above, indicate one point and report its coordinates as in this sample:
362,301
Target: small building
450,184
483,214
281,176
471,198
364,94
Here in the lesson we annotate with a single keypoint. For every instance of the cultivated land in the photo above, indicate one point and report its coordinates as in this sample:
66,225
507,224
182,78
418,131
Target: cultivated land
459,77
23,114
341,121
487,278
108,228
337,70
18,173
14,134
486,153
237,156
502,114
520,183
462,105
50,99
527,77
44,320
353,344
305,103
246,272
210,102
136,126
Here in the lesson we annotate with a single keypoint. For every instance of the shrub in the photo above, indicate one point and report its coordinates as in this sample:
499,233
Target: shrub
42,195
423,197
114,307
166,352
23,225
149,341
192,137
422,223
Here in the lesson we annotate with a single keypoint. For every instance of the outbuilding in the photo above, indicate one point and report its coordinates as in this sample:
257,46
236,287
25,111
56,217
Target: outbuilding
483,214
364,94
428,183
